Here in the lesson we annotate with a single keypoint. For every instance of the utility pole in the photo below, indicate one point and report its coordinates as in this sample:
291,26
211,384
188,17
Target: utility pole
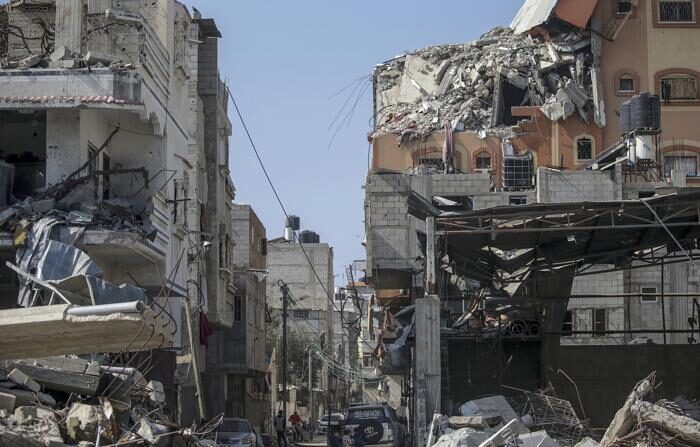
285,307
311,389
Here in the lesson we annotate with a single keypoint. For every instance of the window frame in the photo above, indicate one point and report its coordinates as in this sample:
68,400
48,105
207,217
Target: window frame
658,23
626,77
481,155
622,13
643,296
681,155
568,326
693,19
596,320
579,138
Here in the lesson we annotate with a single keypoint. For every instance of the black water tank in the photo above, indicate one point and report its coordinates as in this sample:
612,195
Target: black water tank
292,221
626,117
309,237
641,111
655,105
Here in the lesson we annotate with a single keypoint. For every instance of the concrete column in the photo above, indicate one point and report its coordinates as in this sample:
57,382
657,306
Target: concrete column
62,144
69,24
428,368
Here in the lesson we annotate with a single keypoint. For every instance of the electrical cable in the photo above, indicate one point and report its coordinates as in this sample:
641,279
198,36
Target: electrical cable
284,209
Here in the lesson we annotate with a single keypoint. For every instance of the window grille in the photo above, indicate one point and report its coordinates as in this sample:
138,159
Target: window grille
676,11
518,172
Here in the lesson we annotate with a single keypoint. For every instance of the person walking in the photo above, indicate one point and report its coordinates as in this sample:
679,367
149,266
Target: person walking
280,426
295,420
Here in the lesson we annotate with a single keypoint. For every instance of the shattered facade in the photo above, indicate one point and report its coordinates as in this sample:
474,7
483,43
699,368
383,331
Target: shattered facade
116,197
532,115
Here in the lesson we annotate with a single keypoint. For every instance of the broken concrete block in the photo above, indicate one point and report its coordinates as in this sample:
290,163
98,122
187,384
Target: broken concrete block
30,61
7,401
680,427
468,421
60,53
65,64
536,439
24,380
624,420
157,393
43,206
83,421
495,410
27,412
94,58
24,398
587,442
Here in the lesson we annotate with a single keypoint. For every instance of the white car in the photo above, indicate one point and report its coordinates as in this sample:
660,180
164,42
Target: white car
336,421
236,432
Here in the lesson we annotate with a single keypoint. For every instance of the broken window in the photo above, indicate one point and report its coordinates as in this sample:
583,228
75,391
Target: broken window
92,159
679,87
367,361
685,163
106,166
518,172
22,145
676,11
599,322
238,308
567,328
624,6
432,162
584,148
483,161
626,84
517,200
649,295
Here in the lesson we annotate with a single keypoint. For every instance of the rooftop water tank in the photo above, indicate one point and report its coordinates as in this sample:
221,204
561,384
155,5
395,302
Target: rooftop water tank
625,117
309,237
292,221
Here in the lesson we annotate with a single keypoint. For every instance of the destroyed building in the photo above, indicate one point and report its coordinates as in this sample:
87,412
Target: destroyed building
513,128
116,215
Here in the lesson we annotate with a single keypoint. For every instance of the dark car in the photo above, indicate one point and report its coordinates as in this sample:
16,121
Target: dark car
378,423
236,432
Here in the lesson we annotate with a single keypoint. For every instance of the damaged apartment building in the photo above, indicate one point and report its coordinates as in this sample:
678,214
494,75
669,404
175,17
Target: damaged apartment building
116,195
578,109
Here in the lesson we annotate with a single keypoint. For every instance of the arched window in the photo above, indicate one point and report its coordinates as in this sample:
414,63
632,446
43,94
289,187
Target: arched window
584,148
626,82
483,161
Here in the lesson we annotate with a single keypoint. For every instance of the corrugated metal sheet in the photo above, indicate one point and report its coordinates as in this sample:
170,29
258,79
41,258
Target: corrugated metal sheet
533,13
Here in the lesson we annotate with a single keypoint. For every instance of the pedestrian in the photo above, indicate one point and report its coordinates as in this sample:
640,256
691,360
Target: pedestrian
347,439
336,440
280,425
295,420
358,438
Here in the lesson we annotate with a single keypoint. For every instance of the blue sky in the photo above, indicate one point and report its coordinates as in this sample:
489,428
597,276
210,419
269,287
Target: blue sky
284,60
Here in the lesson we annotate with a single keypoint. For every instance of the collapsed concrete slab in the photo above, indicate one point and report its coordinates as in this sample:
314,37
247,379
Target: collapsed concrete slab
51,330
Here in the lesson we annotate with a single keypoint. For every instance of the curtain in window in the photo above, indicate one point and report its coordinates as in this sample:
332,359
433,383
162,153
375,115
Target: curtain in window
680,88
687,164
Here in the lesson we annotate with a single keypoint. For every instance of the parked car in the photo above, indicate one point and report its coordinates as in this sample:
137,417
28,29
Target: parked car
336,422
237,432
378,423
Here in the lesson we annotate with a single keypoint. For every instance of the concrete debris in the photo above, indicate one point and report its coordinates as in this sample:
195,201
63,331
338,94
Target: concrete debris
495,410
646,424
24,380
60,54
76,418
477,84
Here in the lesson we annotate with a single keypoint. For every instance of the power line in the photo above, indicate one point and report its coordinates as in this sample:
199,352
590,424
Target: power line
284,210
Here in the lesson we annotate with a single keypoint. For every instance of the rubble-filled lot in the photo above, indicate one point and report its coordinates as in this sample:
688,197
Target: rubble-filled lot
473,86
70,401
532,419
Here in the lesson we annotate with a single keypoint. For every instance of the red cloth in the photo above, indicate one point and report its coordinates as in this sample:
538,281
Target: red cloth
205,330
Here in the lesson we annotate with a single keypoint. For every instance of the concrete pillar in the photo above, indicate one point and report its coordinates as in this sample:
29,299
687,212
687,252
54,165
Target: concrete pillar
428,368
62,144
69,24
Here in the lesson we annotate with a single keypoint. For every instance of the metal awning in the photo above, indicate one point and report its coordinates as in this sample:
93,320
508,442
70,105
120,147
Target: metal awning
509,243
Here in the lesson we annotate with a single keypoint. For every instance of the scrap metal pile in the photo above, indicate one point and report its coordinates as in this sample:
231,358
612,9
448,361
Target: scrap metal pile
70,401
473,86
540,419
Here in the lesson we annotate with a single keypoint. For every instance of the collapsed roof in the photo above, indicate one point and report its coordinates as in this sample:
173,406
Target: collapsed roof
473,86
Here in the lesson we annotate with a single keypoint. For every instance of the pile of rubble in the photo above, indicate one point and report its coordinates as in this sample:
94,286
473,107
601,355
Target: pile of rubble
69,401
474,85
543,420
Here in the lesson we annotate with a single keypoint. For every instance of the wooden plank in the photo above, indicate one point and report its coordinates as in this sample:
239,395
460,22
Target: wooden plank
58,380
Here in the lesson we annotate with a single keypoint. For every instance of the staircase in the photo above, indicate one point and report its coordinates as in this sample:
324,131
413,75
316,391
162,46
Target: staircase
617,21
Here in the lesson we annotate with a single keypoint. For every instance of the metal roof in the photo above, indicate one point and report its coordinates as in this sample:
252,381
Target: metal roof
507,244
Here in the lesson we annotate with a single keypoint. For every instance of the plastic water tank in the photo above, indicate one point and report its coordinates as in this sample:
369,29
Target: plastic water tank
626,117
292,221
644,147
641,111
655,107
309,237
